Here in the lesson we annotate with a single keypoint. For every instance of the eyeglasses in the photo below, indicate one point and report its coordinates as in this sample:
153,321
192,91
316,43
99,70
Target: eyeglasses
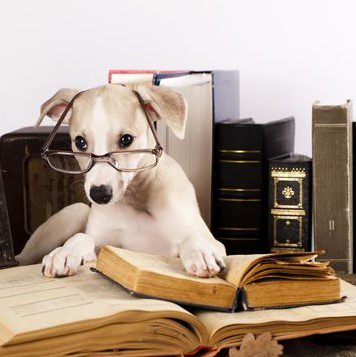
81,162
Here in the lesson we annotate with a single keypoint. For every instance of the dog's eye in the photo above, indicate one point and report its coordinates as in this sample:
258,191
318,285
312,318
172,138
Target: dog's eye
125,140
80,143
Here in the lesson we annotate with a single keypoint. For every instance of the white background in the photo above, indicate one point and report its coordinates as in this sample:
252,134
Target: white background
289,53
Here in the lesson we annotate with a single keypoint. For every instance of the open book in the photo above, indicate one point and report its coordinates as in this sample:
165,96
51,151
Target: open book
87,314
249,281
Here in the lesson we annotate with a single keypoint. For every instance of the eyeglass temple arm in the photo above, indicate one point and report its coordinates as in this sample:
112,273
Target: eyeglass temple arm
144,104
50,138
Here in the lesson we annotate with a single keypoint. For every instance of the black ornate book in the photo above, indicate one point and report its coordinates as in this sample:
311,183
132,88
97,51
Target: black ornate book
7,257
242,149
290,201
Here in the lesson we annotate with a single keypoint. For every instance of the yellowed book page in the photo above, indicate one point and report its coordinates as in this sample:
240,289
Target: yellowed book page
215,321
30,303
296,271
238,265
161,265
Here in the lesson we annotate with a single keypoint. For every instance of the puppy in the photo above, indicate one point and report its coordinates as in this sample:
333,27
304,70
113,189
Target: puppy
153,211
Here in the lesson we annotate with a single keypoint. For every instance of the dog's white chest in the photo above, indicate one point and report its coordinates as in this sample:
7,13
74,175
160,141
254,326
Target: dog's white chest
124,226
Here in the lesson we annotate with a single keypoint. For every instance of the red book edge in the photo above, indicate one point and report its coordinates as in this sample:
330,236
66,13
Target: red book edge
140,71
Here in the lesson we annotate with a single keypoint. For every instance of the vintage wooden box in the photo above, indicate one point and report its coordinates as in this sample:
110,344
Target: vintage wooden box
34,191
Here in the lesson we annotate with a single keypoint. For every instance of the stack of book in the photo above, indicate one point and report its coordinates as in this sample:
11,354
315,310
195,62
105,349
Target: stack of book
242,149
255,194
87,314
211,96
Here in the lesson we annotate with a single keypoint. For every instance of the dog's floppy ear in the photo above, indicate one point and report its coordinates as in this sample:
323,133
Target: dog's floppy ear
55,106
165,104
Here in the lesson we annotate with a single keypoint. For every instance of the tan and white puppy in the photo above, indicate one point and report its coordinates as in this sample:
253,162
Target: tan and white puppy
153,211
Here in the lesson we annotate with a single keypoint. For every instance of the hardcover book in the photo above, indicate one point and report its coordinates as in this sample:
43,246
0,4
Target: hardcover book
354,193
290,193
248,282
87,315
242,149
332,184
7,257
211,96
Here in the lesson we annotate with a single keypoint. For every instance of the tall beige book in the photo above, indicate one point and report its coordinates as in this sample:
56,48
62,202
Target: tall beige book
194,152
86,315
211,96
332,184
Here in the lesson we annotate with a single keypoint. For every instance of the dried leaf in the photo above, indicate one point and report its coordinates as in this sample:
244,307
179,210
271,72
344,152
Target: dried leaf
262,346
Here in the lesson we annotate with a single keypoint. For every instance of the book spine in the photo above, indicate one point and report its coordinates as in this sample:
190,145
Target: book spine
112,72
7,257
354,195
240,181
237,188
332,181
289,205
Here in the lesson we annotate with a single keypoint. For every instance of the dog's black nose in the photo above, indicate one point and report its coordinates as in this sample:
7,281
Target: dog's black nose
101,194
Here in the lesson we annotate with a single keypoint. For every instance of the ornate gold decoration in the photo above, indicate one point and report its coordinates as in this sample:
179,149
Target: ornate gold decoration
286,250
288,192
288,212
287,172
239,199
287,241
238,229
299,180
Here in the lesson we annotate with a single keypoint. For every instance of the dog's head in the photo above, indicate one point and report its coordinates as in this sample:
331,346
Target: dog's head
110,118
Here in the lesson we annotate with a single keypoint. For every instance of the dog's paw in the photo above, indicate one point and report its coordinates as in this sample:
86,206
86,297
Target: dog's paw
63,261
205,260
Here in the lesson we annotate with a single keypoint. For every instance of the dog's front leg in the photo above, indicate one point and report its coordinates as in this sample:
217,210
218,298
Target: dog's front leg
65,260
54,232
201,254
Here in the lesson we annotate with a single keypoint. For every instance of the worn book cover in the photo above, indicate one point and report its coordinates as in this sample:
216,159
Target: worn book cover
257,281
290,194
332,181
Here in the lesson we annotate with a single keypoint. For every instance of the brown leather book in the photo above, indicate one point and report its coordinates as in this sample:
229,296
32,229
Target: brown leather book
249,282
332,180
